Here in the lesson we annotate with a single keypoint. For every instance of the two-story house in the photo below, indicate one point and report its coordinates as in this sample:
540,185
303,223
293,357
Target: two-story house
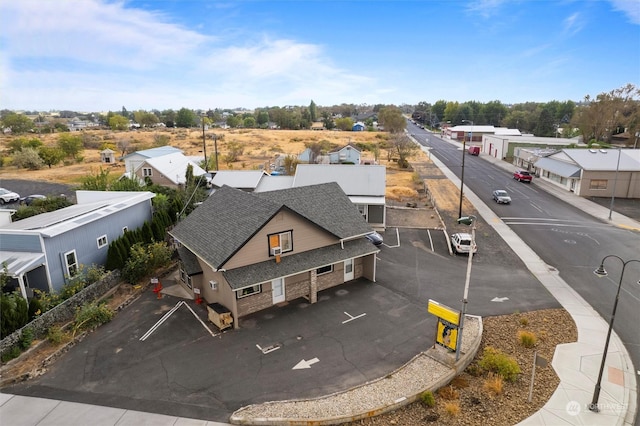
250,251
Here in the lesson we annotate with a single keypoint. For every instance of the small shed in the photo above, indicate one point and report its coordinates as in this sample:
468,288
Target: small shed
108,156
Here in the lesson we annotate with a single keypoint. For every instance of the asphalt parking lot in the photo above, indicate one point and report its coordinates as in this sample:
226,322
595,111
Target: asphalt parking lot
355,333
28,187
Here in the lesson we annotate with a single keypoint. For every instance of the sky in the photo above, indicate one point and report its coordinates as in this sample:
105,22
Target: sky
101,55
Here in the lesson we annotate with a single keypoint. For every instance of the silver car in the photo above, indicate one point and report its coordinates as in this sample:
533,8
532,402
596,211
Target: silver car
501,197
7,196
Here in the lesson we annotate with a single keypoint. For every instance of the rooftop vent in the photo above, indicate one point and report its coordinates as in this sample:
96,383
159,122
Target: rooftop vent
604,151
593,151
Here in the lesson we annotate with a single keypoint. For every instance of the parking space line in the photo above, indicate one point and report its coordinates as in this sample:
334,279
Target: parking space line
430,240
268,349
166,317
351,317
398,239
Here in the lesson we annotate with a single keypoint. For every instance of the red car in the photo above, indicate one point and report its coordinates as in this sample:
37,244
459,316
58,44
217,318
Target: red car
522,176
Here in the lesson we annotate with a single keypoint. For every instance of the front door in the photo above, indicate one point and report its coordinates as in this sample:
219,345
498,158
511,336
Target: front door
278,290
348,270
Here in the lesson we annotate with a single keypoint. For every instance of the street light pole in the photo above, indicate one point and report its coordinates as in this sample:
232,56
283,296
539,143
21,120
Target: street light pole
215,146
602,273
468,220
615,180
464,139
204,144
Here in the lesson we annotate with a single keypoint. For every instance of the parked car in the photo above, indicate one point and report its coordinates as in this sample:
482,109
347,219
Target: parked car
474,150
375,238
522,176
500,196
31,198
7,196
461,243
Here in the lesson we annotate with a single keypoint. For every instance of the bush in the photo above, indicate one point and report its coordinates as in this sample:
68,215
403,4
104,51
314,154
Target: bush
524,321
428,399
90,316
144,259
452,408
56,335
448,393
28,158
26,339
12,353
14,313
527,339
495,361
493,384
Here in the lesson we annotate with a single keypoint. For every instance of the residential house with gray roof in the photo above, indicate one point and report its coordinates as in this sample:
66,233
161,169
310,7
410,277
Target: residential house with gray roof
250,251
43,251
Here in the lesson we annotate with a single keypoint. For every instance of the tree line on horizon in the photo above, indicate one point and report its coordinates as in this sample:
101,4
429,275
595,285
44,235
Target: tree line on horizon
596,119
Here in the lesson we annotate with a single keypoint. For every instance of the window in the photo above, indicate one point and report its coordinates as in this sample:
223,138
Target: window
71,263
146,172
102,241
324,270
598,184
213,285
248,291
284,240
362,208
125,229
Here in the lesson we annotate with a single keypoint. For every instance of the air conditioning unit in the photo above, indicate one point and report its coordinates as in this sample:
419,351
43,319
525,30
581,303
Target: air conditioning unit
213,285
276,251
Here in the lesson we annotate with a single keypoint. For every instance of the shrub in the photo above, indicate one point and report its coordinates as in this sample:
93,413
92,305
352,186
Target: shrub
474,370
448,393
495,361
428,399
459,382
493,384
12,353
56,335
14,312
26,339
527,338
452,408
28,158
90,316
524,321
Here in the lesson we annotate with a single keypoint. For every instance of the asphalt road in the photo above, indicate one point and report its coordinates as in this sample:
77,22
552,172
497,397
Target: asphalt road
565,237
355,333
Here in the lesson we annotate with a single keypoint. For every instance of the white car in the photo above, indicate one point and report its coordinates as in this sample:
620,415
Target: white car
461,243
501,197
7,196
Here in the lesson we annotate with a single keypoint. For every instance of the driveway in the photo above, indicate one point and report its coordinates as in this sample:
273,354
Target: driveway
355,333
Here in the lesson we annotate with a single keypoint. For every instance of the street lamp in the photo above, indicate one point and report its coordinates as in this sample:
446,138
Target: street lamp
464,139
601,272
204,143
215,146
615,180
467,220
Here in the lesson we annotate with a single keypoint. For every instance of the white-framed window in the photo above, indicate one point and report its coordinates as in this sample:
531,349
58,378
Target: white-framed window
282,240
362,208
102,241
125,229
324,270
213,285
147,172
71,263
248,291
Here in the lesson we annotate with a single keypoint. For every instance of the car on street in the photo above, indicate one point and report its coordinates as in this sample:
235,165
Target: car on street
461,243
500,196
375,238
7,196
522,176
28,200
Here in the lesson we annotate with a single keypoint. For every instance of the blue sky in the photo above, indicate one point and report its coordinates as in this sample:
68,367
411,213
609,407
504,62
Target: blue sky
99,55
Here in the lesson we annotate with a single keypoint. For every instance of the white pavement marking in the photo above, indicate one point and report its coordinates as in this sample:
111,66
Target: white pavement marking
168,314
430,240
305,364
268,349
499,299
351,317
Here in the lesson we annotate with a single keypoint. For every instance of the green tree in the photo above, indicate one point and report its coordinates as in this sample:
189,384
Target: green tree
392,119
290,164
118,122
70,144
51,156
28,158
18,123
344,123
186,118
144,118
263,118
233,121
249,123
313,111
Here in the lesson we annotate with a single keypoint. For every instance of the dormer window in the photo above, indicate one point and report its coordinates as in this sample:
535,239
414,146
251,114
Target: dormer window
281,242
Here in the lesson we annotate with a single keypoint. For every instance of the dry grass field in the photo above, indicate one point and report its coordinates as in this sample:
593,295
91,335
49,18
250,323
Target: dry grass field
260,147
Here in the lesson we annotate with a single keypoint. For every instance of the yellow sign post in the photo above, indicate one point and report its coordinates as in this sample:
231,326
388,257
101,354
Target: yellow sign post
448,321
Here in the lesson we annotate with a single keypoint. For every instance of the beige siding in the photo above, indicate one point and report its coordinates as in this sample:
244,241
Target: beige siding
627,185
306,236
156,176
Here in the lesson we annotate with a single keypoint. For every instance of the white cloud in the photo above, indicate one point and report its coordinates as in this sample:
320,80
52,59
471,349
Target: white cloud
631,8
573,24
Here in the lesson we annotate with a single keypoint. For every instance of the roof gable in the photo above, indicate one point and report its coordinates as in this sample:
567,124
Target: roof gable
173,166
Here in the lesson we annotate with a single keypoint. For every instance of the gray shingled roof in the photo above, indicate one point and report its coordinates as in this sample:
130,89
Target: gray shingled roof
218,228
189,261
268,270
